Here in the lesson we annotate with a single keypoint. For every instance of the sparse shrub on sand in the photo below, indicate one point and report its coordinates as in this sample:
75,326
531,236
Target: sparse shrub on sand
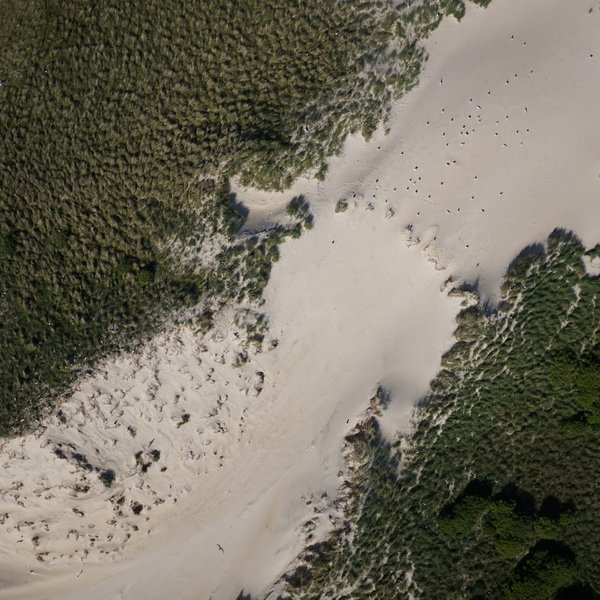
185,418
341,205
107,477
298,209
136,508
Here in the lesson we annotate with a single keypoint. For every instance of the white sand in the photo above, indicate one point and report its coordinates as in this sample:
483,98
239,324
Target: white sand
354,302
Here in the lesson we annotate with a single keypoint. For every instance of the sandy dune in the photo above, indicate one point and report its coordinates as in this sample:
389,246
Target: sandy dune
498,145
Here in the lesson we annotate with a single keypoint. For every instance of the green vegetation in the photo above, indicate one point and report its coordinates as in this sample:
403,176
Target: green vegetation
136,508
341,205
508,519
548,568
107,477
122,124
299,209
185,418
497,496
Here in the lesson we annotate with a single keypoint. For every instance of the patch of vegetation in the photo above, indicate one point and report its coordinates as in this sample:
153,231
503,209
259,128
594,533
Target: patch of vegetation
122,124
547,568
298,209
136,507
255,324
497,496
185,418
107,477
341,205
508,519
